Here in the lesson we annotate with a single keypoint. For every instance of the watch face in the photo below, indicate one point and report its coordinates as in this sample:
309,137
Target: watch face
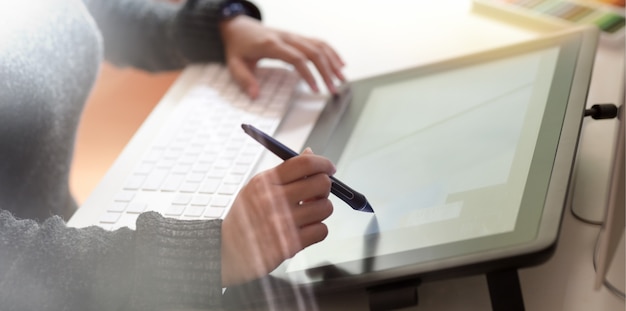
232,9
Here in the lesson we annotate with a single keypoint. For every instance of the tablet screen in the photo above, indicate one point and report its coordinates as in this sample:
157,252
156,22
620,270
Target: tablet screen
441,158
455,159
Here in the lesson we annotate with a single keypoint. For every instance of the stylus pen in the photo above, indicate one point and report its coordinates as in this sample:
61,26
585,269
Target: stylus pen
356,200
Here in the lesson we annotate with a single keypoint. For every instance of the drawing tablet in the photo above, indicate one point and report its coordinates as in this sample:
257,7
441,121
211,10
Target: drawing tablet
466,163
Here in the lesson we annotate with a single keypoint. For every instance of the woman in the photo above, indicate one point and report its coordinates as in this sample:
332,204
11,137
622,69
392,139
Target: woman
50,51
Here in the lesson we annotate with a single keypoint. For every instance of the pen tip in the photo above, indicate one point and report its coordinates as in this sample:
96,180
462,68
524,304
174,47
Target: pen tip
367,208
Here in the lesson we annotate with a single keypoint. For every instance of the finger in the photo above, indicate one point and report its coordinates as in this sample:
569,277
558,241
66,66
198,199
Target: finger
335,56
313,187
242,73
312,234
297,59
336,62
316,55
284,237
312,212
300,167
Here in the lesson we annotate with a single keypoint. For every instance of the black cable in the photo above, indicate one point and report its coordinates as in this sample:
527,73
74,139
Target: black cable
597,112
600,112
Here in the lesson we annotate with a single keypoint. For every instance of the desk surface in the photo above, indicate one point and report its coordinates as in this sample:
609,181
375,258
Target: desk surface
377,37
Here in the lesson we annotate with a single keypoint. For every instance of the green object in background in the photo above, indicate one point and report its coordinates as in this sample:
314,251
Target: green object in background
610,22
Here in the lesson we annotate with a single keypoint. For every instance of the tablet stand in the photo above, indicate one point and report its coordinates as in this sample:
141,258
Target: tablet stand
504,290
394,295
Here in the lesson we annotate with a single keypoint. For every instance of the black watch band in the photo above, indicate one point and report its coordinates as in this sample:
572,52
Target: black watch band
233,8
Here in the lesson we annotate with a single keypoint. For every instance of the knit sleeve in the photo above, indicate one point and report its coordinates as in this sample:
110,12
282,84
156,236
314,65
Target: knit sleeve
158,35
165,263
178,263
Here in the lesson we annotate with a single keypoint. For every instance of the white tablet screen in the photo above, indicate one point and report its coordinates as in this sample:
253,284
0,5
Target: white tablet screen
441,158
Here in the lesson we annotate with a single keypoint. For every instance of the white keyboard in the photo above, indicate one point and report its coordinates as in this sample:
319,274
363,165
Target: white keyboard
201,158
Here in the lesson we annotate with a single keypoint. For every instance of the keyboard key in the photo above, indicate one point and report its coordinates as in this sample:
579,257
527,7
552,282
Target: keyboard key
182,199
134,182
207,158
117,207
172,154
220,201
174,210
144,168
228,189
202,167
154,180
195,177
110,217
229,154
200,200
181,168
153,156
189,187
188,159
194,211
210,185
240,169
136,207
166,163
214,212
172,182
223,164
246,160
233,179
217,173
194,149
124,196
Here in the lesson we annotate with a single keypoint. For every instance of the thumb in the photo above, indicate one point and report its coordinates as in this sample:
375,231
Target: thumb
242,73
308,150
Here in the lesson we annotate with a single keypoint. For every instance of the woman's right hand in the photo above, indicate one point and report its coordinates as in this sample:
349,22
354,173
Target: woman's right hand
277,214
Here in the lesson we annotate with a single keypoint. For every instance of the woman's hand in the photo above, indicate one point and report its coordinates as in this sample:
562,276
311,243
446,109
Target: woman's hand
277,214
247,41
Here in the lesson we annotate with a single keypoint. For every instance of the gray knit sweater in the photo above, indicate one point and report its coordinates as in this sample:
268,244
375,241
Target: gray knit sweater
50,51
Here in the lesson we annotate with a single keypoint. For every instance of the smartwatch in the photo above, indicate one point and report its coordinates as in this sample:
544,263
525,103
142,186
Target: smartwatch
230,9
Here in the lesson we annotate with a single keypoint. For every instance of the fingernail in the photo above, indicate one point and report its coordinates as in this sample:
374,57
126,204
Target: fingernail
341,76
252,92
332,89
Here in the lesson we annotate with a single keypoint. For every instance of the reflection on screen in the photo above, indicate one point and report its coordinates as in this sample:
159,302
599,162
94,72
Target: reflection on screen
441,158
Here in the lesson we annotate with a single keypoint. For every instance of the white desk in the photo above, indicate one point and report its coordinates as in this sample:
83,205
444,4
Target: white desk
381,36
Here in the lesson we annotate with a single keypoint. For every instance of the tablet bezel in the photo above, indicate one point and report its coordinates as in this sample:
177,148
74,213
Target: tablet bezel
536,229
